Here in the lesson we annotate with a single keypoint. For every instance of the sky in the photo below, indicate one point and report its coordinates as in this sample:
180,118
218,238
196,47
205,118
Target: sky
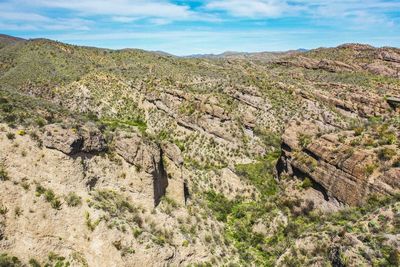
201,27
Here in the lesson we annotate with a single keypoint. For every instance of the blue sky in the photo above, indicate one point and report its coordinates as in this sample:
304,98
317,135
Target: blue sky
210,26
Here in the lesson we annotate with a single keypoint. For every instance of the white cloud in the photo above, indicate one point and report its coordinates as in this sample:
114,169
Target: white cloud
368,12
120,8
250,8
95,14
22,16
159,21
123,19
22,21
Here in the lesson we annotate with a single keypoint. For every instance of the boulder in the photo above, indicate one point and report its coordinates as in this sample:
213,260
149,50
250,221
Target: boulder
380,69
71,140
389,56
144,155
93,139
66,140
173,152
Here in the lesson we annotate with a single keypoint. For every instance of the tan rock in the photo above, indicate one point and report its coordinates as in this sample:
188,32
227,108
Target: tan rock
66,140
146,156
173,152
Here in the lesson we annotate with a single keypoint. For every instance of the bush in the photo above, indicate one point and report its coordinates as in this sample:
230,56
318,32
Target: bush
9,261
39,190
3,174
56,204
73,200
91,225
307,183
260,175
18,211
25,185
220,205
49,196
358,131
370,168
34,263
396,163
185,243
3,209
10,136
304,139
21,132
386,153
112,203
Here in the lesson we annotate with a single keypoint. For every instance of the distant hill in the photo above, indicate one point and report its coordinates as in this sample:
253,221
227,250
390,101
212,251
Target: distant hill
8,40
261,56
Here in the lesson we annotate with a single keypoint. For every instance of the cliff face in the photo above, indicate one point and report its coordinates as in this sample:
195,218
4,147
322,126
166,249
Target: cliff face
338,162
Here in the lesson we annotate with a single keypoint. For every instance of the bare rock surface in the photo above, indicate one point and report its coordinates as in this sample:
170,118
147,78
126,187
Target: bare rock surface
344,173
67,140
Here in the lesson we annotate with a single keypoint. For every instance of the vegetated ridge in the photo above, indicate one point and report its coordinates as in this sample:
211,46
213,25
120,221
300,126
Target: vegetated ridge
135,158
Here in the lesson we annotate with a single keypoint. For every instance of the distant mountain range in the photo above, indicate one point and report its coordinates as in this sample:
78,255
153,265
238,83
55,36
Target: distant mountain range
249,55
7,39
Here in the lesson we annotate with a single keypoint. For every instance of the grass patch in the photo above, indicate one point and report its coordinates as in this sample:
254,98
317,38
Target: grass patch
113,124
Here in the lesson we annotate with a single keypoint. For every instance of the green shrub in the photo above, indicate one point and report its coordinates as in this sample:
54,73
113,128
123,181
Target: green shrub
18,211
91,225
10,136
3,174
220,205
260,174
3,209
304,139
34,263
49,196
358,131
307,183
56,260
386,153
396,163
370,168
56,204
208,238
137,232
21,132
112,203
39,190
9,261
25,185
73,200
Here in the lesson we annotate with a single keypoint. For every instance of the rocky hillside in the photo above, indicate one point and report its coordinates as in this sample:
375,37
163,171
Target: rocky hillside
132,158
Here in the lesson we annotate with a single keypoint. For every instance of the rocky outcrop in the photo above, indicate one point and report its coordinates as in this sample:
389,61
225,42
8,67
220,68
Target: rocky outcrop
93,139
345,173
146,156
380,69
173,152
66,140
325,64
389,56
72,140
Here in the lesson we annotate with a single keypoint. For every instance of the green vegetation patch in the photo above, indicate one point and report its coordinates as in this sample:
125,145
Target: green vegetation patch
115,123
260,174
